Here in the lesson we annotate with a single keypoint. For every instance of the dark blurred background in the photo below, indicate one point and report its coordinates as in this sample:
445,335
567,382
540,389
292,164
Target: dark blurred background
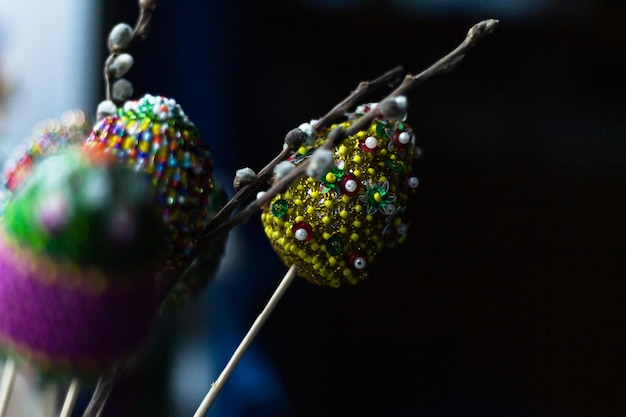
508,297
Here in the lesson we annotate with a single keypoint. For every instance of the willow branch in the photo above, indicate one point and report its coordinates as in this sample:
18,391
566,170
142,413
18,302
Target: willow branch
388,78
221,226
140,32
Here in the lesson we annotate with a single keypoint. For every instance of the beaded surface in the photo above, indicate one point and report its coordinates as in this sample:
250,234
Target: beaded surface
47,138
155,136
76,209
333,227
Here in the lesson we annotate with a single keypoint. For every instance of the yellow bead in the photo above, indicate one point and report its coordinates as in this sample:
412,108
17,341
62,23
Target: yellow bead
297,202
371,171
345,199
326,235
310,210
328,204
342,150
358,208
326,220
382,178
343,230
357,159
315,194
357,173
354,237
330,177
343,213
299,219
302,150
300,187
369,218
302,253
332,261
347,272
315,246
357,223
378,197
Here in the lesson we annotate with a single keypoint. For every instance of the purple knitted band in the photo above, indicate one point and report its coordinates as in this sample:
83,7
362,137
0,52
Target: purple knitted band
53,324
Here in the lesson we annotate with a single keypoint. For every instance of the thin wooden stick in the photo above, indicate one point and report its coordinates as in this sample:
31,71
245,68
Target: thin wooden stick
102,392
245,343
6,384
70,398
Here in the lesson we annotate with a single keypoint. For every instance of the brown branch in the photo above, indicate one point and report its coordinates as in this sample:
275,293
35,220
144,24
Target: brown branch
220,228
446,63
364,87
140,32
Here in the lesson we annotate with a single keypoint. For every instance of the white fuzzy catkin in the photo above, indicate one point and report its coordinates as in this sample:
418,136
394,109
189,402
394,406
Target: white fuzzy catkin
321,161
120,37
121,64
282,169
122,89
105,108
394,108
246,175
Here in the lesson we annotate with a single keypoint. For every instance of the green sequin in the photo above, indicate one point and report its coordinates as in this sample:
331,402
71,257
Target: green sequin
335,245
280,208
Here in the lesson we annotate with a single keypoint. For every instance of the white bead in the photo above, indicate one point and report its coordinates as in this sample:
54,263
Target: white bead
350,186
360,263
260,194
301,234
404,138
402,229
413,182
371,142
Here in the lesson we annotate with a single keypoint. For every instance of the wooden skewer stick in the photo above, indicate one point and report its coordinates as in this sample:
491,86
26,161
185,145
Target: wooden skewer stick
70,398
6,384
245,343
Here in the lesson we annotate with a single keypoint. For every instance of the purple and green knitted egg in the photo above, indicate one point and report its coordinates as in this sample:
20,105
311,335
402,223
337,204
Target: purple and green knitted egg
77,262
333,227
155,136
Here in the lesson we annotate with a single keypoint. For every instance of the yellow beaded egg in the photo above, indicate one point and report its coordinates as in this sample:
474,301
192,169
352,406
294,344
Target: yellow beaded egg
333,227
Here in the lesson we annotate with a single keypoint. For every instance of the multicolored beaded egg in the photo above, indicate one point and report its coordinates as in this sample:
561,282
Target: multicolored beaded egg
333,227
77,263
47,138
155,136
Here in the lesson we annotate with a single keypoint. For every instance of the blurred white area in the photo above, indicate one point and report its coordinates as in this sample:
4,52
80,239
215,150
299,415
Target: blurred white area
48,56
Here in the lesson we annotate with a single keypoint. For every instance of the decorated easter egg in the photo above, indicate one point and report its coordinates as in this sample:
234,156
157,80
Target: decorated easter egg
204,267
155,136
333,227
77,263
47,138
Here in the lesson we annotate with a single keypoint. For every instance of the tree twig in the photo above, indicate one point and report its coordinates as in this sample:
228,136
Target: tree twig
445,64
